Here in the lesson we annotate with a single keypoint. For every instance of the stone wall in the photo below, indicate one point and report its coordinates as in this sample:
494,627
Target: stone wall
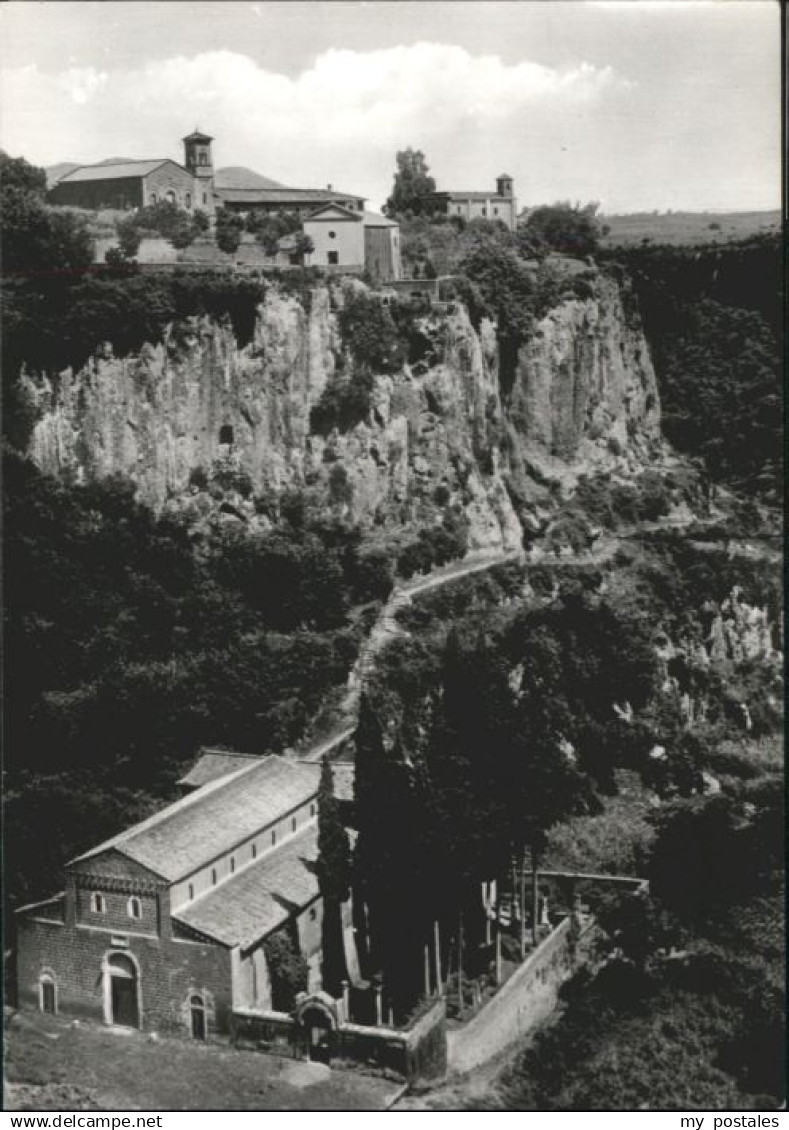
418,1052
530,995
271,1032
169,973
523,1002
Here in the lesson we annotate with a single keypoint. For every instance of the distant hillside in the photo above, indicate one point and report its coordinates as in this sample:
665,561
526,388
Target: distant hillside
63,168
236,176
688,227
57,172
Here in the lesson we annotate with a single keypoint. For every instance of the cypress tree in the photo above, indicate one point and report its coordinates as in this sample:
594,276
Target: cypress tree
333,879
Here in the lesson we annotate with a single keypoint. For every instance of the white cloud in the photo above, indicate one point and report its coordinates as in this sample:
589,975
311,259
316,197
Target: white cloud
582,131
337,120
82,83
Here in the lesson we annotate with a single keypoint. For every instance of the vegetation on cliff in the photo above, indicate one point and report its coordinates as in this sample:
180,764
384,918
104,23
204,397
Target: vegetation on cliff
713,318
37,240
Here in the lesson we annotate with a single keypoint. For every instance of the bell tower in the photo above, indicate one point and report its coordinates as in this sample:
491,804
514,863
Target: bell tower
504,185
197,158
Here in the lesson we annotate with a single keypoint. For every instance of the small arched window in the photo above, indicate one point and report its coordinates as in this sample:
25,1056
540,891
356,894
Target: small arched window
273,838
293,824
232,864
197,1010
97,903
213,876
191,891
188,199
134,907
312,810
226,434
47,993
254,851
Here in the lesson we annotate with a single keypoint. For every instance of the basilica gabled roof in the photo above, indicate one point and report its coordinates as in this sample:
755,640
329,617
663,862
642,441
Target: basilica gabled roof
210,821
261,897
121,170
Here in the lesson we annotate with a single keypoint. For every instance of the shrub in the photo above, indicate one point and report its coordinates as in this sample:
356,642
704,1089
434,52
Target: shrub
229,227
198,478
340,489
370,334
571,229
128,237
288,969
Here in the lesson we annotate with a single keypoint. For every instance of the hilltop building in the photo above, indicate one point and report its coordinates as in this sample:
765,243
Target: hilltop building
163,926
131,184
498,205
345,235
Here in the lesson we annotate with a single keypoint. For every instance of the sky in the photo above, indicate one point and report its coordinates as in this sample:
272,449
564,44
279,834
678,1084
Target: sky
637,104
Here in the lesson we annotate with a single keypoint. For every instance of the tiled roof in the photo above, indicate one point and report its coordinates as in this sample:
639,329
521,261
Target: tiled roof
212,764
114,172
213,819
282,195
333,209
374,220
261,897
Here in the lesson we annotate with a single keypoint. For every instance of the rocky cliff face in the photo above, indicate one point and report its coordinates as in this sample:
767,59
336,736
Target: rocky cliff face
585,384
438,434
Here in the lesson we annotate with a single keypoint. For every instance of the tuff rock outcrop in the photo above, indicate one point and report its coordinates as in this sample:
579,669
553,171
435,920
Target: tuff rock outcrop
440,433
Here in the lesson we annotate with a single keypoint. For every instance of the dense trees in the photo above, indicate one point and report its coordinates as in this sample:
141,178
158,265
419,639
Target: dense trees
688,1010
127,651
412,183
571,229
164,218
713,319
37,239
464,767
18,174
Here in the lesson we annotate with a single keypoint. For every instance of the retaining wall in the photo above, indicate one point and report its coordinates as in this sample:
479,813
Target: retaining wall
523,1002
418,1052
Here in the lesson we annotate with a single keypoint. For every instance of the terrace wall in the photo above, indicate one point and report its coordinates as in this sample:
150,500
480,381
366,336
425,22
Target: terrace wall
527,998
530,995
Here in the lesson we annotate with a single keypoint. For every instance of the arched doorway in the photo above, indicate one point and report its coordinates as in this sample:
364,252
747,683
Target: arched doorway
197,1010
122,998
318,1029
316,1016
47,993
